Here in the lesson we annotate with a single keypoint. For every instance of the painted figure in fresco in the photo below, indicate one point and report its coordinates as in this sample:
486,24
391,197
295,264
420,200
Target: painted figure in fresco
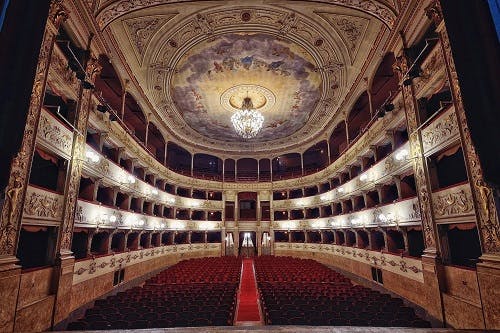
247,62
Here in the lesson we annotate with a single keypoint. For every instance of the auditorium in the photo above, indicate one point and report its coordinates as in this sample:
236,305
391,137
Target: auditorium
249,165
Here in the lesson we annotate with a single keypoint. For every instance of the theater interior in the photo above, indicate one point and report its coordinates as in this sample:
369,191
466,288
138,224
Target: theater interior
253,165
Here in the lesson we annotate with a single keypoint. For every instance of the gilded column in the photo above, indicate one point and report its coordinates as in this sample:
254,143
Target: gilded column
15,191
488,270
65,260
431,262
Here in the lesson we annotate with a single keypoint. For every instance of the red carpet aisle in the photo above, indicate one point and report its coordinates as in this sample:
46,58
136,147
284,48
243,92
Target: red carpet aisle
248,309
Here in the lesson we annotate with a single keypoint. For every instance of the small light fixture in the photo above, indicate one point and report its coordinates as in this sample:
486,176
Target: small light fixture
340,190
401,155
154,192
112,219
363,177
92,156
131,179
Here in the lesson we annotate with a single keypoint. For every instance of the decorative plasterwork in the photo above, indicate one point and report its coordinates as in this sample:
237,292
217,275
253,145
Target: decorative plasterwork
204,21
142,29
453,202
167,62
51,133
98,216
408,267
351,29
279,75
42,206
92,268
404,212
121,7
443,129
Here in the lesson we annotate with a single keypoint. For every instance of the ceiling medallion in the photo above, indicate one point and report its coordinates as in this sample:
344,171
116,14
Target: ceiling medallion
262,98
247,122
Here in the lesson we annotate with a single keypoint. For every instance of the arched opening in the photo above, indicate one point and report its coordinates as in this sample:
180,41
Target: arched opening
338,141
359,117
246,169
207,167
156,143
315,158
178,159
287,166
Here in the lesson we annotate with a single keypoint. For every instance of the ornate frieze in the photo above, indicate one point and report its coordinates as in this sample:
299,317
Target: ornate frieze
482,194
400,213
365,181
15,191
453,202
407,267
112,174
97,216
122,7
54,135
95,267
441,130
42,205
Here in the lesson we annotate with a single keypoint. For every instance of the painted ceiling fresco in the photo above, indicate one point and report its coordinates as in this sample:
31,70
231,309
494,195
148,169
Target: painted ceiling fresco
280,76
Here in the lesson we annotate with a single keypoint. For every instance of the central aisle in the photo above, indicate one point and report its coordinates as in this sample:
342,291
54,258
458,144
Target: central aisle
248,312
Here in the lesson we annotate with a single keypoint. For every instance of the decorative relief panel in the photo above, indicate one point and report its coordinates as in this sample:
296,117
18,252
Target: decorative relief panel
401,213
407,267
42,206
375,175
350,28
441,130
453,202
97,216
122,7
92,268
115,175
142,29
54,134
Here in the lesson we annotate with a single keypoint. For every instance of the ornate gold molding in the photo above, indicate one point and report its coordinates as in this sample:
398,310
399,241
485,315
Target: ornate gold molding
15,192
76,163
482,194
419,162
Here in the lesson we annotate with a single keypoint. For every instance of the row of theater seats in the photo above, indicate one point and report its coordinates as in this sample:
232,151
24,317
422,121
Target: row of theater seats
196,292
304,292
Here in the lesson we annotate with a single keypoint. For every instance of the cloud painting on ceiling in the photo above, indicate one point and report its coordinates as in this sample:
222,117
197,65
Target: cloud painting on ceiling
256,65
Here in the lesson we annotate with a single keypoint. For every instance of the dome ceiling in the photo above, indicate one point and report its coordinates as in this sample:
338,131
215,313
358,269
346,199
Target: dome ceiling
214,77
196,61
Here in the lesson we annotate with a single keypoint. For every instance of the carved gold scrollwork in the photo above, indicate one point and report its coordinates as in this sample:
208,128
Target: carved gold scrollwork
453,203
487,218
10,217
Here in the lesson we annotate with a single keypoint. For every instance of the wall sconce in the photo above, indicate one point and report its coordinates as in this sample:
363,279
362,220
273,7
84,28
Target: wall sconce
340,190
91,156
386,218
363,177
401,155
171,200
154,192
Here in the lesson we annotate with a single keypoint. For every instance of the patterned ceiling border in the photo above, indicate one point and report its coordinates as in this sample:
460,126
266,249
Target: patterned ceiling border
121,7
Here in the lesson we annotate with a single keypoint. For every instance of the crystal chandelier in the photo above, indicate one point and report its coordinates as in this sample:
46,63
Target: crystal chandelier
247,122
